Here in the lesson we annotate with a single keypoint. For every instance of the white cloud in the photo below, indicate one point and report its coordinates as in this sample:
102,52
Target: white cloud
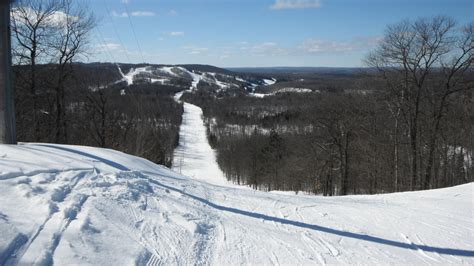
265,49
176,33
312,46
55,19
325,46
143,14
195,50
295,4
120,15
108,47
173,12
125,1
134,14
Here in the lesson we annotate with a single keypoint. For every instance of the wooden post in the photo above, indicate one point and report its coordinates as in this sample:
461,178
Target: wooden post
7,113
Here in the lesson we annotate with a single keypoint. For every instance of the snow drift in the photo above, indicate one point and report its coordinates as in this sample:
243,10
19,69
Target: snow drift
80,205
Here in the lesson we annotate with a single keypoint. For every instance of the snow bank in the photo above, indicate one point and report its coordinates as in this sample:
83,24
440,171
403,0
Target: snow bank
80,205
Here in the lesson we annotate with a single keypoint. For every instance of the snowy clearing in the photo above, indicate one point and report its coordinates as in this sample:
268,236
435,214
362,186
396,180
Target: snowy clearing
194,157
81,205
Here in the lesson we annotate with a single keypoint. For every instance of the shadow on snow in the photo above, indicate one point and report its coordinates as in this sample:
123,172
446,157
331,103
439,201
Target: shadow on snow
446,251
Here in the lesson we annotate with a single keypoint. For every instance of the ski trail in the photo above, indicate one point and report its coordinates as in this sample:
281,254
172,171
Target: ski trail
421,252
311,243
64,206
194,157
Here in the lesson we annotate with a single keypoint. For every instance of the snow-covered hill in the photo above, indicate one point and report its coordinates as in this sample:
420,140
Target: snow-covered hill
80,205
192,74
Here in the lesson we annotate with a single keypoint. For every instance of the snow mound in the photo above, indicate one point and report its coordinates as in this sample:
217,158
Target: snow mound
64,204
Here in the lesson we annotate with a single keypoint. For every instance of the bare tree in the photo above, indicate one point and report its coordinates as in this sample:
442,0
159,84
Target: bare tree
50,31
32,30
72,29
411,58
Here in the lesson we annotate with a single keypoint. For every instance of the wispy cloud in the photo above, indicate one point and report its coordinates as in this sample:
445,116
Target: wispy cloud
312,46
295,4
267,49
359,43
133,14
195,50
143,14
173,12
224,56
176,33
325,46
108,47
56,18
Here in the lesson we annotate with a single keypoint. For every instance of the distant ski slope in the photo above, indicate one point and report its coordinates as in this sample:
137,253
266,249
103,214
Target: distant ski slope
81,205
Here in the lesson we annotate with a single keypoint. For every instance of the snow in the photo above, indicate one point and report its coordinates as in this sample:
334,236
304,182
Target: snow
164,74
167,70
297,90
70,205
196,78
162,81
132,73
269,81
219,83
130,76
194,156
258,95
283,90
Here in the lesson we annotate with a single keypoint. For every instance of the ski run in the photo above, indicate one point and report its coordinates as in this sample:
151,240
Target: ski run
65,205
81,205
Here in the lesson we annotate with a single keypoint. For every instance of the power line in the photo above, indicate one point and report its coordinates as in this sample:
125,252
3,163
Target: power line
104,45
134,33
115,30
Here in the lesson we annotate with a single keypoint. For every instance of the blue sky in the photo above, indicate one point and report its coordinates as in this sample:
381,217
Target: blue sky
253,33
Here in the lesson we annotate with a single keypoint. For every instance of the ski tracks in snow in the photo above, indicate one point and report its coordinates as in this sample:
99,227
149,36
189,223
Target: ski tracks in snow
64,206
107,215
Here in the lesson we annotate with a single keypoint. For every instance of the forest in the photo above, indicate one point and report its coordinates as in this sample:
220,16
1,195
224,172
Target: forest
407,123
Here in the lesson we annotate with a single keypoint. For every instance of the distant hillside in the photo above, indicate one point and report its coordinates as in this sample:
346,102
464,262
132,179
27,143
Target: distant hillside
319,70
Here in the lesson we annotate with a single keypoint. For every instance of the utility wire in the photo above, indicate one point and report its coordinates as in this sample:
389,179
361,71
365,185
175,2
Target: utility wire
134,33
115,30
104,45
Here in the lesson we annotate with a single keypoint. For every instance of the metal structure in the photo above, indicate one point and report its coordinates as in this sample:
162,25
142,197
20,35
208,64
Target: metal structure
7,112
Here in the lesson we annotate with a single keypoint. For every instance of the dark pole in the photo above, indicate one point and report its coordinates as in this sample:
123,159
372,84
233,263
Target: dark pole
7,113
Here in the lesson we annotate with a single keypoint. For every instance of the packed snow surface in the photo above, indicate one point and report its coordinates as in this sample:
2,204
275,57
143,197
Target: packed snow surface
269,81
129,77
194,156
68,205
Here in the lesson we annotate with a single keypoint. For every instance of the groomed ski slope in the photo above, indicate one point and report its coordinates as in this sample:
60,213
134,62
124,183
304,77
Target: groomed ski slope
194,157
81,205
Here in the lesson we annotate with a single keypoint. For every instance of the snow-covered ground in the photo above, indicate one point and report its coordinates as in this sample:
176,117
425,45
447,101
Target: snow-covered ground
282,90
194,157
80,205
